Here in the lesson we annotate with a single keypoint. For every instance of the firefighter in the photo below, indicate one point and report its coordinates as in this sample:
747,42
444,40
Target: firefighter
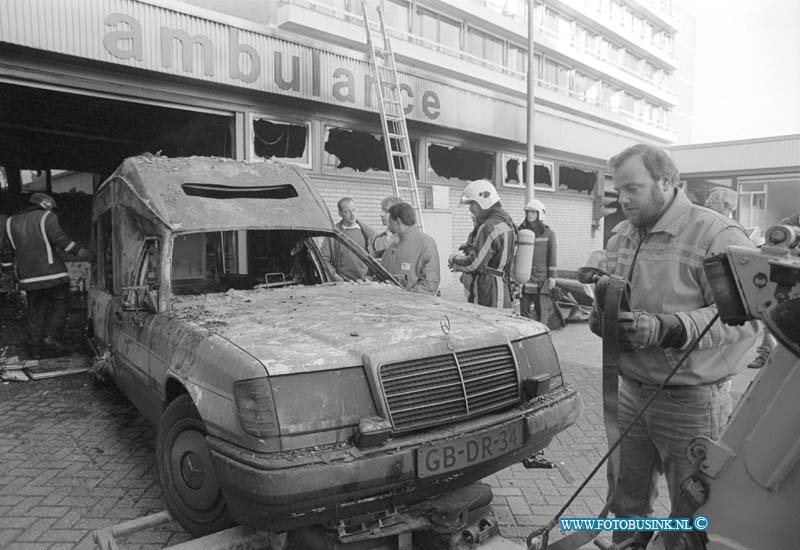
31,239
544,267
489,258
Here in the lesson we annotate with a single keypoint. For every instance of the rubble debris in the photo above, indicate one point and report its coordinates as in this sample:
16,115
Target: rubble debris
39,369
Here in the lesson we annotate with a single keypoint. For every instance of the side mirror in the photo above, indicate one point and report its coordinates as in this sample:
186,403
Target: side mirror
150,301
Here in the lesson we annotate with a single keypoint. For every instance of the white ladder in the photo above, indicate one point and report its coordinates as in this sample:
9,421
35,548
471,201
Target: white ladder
393,118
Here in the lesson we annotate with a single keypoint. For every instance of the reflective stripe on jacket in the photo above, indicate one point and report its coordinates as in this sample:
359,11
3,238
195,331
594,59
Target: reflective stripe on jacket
493,248
665,268
33,234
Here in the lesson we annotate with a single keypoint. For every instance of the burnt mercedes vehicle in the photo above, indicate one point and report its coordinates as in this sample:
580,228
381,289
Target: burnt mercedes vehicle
283,398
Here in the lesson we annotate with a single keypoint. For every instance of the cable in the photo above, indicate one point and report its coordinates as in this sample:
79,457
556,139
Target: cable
544,531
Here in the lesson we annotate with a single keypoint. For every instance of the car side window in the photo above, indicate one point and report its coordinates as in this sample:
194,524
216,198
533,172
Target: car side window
143,293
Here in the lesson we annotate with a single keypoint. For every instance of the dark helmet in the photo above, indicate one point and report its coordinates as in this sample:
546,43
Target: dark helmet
43,201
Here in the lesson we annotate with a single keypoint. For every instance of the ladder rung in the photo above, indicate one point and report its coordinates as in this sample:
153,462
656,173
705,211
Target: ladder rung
392,101
400,154
396,136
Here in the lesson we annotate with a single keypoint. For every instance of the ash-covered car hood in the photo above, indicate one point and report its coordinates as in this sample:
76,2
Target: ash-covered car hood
303,329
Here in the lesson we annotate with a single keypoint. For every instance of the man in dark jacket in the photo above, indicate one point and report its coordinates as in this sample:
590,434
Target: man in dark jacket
489,258
30,239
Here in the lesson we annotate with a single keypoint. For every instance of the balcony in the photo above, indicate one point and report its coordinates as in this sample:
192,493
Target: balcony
616,30
548,43
417,55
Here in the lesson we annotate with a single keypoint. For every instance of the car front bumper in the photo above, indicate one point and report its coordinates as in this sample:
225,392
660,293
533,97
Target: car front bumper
284,490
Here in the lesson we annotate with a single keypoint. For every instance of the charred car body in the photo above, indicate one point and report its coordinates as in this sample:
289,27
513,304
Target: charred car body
280,397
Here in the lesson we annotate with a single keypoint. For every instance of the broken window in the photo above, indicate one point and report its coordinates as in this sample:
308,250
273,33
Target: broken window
280,140
576,180
460,163
217,261
360,151
69,181
33,181
515,172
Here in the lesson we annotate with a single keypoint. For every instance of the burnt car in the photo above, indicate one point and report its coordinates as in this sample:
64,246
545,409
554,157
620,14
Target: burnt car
283,398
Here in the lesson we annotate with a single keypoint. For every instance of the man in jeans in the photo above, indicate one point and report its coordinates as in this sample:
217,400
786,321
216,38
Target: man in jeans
660,249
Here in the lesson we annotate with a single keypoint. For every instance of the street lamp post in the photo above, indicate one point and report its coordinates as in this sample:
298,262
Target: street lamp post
529,189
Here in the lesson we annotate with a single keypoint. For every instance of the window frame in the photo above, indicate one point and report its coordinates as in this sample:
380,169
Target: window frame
326,168
506,156
309,151
432,177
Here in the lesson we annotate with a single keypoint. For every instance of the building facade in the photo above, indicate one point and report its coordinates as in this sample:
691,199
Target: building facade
765,172
85,83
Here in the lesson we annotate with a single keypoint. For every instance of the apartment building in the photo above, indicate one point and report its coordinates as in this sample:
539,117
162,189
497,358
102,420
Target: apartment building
87,82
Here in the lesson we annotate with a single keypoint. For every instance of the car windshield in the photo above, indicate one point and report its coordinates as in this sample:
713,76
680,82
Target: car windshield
217,261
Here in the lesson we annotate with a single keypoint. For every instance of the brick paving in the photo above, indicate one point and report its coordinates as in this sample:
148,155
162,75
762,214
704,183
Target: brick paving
77,456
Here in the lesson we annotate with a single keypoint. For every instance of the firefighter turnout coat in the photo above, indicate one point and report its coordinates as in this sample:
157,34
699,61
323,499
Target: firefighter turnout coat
489,258
33,236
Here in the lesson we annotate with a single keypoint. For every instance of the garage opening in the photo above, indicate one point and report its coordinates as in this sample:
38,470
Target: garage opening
66,144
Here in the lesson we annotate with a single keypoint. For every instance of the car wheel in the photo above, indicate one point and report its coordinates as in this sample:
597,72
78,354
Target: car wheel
185,471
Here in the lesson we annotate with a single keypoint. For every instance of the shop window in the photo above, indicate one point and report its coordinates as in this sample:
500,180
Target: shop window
359,151
515,172
280,140
460,163
576,180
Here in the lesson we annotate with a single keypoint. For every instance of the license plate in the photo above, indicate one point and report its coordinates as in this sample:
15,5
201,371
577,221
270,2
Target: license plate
468,451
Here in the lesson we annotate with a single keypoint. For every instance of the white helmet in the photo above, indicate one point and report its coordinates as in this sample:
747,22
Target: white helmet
481,191
536,206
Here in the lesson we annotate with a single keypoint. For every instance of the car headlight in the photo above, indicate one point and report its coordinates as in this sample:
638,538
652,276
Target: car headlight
539,369
255,407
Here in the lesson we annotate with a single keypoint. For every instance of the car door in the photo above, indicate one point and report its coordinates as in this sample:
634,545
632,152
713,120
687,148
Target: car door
132,321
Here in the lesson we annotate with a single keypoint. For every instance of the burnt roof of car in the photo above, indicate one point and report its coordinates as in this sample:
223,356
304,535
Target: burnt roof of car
210,193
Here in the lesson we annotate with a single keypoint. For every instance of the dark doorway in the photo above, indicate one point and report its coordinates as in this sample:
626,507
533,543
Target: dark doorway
45,129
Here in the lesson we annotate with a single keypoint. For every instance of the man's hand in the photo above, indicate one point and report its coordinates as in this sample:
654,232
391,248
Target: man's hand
637,330
452,258
551,283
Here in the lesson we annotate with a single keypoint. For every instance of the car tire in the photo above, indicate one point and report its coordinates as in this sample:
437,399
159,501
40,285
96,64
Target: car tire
188,482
